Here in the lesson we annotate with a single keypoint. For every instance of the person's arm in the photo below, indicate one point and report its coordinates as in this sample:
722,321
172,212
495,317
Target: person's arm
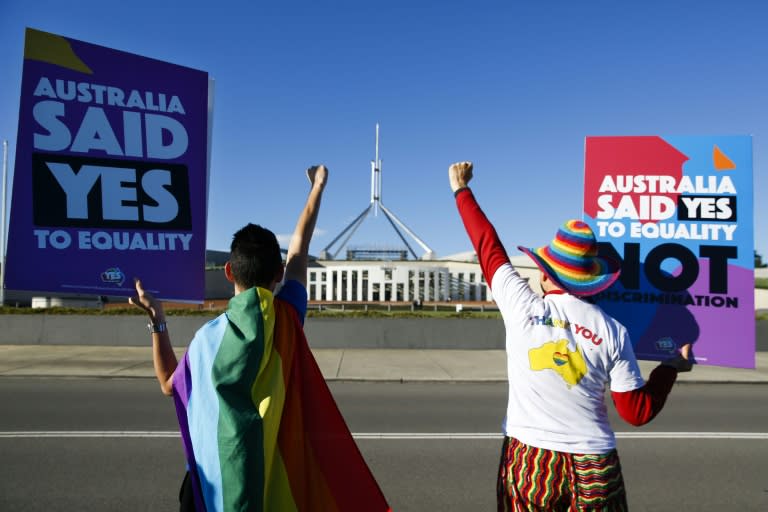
163,357
639,406
490,251
298,251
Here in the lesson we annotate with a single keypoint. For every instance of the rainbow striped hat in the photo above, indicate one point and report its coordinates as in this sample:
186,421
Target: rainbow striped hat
571,260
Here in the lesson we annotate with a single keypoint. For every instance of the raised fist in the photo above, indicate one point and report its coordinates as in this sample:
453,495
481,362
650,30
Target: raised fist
318,175
459,175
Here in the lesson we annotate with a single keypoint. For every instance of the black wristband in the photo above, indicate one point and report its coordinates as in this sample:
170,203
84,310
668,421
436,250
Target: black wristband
462,189
157,328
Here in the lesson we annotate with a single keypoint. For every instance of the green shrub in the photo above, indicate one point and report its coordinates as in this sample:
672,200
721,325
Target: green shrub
312,313
7,310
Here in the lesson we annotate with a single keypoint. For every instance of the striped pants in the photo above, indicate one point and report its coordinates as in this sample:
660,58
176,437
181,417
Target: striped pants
535,479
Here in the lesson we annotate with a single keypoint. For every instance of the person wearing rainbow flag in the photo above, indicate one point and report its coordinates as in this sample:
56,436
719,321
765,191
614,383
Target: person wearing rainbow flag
259,426
559,451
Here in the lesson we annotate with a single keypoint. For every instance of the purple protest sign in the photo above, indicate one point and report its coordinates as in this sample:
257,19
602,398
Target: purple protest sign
677,213
111,173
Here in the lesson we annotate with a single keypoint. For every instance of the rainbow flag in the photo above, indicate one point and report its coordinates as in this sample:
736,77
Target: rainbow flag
260,428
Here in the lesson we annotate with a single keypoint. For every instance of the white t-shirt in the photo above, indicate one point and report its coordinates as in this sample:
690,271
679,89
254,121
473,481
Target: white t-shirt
561,353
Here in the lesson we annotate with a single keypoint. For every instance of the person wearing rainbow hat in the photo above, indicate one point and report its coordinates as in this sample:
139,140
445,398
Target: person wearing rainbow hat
559,451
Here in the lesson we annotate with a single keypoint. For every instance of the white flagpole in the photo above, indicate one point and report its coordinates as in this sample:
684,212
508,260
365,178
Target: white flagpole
3,224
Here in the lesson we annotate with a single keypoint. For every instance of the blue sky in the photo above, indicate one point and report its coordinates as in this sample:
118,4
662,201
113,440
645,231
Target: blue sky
513,86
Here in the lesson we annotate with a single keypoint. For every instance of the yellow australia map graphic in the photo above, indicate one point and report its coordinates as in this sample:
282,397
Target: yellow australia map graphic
554,355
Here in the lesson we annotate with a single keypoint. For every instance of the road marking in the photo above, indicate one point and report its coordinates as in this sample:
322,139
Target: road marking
89,433
619,435
427,435
388,436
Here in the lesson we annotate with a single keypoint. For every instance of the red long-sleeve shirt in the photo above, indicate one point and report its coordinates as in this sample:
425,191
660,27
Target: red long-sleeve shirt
636,407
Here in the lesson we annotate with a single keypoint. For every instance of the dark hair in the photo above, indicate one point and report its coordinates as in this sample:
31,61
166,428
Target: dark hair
255,257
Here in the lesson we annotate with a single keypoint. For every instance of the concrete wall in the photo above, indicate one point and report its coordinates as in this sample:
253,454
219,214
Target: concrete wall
448,333
445,333
125,330
321,332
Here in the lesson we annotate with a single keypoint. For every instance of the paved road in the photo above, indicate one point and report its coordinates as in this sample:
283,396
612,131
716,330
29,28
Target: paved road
114,472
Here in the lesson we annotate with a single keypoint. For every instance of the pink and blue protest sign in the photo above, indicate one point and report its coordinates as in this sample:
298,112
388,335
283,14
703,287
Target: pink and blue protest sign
111,173
676,212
